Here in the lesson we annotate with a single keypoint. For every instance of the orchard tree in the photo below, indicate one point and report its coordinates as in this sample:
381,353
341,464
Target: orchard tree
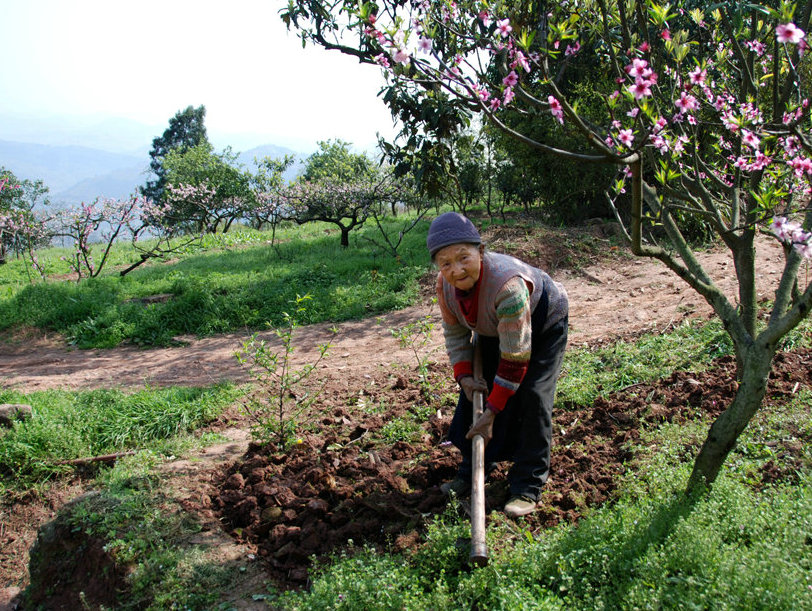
335,161
266,185
20,228
93,228
707,118
337,186
186,130
349,205
346,205
208,189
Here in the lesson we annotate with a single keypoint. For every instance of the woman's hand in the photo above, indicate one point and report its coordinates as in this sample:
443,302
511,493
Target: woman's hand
483,426
470,385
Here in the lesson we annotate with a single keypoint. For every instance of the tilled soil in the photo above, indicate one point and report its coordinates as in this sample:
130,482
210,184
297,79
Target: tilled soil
340,484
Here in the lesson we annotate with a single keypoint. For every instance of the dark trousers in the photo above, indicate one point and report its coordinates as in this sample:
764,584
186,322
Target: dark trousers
522,432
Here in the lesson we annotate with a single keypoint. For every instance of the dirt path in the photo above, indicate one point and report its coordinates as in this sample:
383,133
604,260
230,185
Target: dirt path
619,297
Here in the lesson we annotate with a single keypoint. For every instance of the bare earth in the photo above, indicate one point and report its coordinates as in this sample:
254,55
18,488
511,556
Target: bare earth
619,297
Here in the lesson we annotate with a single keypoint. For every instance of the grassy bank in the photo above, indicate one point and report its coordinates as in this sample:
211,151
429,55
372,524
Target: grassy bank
68,425
231,282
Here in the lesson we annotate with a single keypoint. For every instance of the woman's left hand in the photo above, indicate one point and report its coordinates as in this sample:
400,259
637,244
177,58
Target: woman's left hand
483,426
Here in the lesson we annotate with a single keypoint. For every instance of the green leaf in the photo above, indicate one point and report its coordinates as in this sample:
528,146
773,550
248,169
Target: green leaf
525,39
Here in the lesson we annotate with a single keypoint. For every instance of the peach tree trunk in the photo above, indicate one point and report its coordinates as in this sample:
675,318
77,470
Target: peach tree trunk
755,364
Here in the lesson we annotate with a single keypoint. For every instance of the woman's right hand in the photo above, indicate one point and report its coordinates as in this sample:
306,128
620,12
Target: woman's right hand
470,385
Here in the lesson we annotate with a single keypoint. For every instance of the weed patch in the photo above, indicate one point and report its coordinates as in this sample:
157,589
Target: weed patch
68,425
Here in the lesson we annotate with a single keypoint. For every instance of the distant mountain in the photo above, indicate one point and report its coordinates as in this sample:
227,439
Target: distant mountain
77,174
113,134
110,134
61,167
118,184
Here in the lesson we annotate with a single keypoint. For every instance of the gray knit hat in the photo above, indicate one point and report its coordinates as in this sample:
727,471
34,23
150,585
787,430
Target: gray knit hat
451,228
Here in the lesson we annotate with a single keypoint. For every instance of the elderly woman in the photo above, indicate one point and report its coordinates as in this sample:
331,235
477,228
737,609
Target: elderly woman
519,315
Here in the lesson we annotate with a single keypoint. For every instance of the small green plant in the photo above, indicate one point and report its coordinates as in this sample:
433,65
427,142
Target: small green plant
400,429
276,408
417,336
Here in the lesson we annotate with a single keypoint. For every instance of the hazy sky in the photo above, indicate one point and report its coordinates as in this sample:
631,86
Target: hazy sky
147,59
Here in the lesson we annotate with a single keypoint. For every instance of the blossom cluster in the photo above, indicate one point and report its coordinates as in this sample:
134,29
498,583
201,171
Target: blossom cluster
792,233
309,196
463,74
745,144
398,47
662,110
6,184
200,195
21,224
271,205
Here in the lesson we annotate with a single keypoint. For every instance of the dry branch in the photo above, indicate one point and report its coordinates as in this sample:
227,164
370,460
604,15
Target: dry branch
91,459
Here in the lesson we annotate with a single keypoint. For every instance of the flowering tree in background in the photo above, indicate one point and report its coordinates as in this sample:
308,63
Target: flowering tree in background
344,189
26,232
265,185
186,204
703,112
153,221
207,191
8,223
349,205
92,229
346,205
21,229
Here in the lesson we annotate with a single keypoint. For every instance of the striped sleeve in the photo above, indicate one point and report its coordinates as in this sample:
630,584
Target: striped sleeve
457,338
515,341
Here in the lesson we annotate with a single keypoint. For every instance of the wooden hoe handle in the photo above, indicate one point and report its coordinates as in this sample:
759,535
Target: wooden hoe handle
479,547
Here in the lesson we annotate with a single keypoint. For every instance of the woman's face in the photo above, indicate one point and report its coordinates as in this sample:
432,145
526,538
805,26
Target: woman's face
460,265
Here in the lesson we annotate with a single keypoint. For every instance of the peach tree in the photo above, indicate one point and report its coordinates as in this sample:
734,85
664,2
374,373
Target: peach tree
703,110
22,205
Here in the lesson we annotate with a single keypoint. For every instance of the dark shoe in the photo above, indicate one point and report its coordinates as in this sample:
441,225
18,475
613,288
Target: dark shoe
519,506
458,486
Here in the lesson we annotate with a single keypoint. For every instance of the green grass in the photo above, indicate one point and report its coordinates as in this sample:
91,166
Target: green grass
66,425
238,281
591,372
